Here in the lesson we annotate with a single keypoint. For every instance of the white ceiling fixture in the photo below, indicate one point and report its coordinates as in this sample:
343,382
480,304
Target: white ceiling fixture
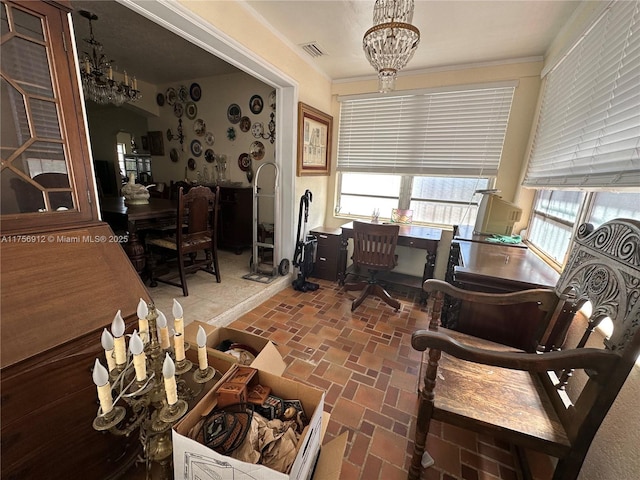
392,41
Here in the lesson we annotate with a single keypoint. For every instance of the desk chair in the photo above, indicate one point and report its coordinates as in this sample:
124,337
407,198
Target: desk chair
374,247
555,399
197,212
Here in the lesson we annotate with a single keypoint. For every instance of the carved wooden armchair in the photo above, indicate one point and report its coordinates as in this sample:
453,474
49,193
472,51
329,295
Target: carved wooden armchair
555,399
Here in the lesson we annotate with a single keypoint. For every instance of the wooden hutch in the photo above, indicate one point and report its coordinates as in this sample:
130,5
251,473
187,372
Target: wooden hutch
63,274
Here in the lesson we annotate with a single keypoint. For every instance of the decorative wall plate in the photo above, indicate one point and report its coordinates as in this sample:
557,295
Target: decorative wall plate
183,94
272,100
173,154
191,110
257,150
209,155
245,124
199,127
191,163
234,113
160,99
244,162
196,148
257,130
195,91
209,138
171,95
256,104
178,109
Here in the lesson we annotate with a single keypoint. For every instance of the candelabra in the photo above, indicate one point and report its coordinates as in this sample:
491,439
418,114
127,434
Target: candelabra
149,382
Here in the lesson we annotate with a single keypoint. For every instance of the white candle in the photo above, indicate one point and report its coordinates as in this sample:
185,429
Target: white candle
178,316
87,66
126,78
136,347
117,329
169,372
135,83
107,344
110,73
201,338
101,379
143,323
164,331
178,345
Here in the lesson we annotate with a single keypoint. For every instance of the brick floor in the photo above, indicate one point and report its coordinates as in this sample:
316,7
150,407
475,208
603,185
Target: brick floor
365,362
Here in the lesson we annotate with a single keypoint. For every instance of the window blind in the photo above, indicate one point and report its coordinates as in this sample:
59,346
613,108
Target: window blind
452,133
588,131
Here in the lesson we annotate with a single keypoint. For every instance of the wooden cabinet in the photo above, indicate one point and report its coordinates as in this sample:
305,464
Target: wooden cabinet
62,275
327,252
493,268
235,221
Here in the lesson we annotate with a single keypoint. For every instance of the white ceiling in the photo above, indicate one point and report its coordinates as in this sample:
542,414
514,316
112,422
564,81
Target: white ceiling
452,33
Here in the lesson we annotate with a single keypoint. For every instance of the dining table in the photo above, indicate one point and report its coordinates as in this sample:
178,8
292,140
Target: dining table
136,220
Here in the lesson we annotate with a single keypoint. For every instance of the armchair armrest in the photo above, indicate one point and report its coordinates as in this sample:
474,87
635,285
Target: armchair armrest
583,358
545,297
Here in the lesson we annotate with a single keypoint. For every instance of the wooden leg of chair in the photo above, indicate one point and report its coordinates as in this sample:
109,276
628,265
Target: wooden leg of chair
425,411
215,265
151,268
183,279
569,468
365,293
384,295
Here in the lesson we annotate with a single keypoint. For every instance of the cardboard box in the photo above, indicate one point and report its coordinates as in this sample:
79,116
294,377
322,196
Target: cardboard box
268,358
192,460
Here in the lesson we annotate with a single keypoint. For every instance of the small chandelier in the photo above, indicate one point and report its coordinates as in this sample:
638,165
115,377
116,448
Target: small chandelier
97,74
392,41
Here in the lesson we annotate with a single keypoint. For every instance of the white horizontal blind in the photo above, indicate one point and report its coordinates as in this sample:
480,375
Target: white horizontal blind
588,132
451,133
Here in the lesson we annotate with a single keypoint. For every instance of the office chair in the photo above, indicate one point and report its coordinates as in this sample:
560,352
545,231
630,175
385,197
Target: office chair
374,248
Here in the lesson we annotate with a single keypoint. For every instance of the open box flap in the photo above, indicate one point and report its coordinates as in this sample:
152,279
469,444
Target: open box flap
269,360
329,464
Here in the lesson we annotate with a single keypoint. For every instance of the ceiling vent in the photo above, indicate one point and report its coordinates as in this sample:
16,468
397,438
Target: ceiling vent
313,49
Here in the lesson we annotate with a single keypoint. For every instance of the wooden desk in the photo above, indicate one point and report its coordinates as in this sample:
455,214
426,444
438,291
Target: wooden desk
158,213
465,232
414,236
497,268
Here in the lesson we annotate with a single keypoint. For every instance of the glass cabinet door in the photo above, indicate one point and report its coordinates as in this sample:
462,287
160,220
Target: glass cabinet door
43,152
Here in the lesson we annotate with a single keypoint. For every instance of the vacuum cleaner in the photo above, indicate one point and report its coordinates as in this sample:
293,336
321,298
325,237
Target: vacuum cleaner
304,256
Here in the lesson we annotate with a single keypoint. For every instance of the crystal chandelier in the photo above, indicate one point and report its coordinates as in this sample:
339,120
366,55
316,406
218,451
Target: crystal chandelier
97,74
392,41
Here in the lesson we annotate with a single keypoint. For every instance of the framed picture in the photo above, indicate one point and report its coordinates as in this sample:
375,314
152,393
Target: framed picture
314,141
156,144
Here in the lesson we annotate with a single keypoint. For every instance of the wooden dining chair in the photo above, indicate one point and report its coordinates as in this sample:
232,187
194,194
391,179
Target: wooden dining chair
552,400
374,247
197,214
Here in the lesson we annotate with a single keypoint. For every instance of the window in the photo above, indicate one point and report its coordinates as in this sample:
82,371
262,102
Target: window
551,226
557,212
438,200
589,122
427,151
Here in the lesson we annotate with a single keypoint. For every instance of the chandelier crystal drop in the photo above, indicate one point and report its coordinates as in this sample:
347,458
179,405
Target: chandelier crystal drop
392,41
96,72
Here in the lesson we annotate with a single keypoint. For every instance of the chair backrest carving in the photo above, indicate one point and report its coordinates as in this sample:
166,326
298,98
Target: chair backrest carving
374,245
603,269
198,210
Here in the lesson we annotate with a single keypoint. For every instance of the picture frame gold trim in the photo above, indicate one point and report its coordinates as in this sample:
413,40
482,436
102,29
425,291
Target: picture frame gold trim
314,141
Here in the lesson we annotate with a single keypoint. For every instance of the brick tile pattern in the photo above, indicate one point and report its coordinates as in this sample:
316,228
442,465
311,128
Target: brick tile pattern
365,363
